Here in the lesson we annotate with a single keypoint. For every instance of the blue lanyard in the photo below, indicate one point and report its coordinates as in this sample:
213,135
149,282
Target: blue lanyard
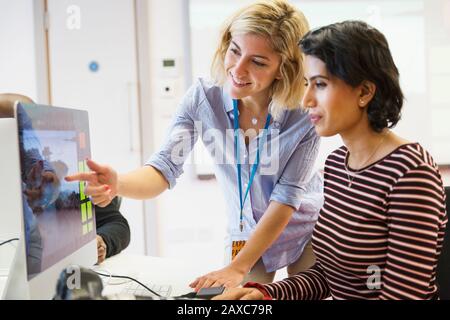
237,153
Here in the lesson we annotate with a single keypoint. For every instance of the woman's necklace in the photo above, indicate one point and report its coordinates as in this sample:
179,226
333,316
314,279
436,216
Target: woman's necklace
255,119
351,175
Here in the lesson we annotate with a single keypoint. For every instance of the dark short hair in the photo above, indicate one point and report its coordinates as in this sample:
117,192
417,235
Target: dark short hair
353,51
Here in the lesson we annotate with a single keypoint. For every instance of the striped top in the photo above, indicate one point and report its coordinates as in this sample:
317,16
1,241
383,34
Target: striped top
381,237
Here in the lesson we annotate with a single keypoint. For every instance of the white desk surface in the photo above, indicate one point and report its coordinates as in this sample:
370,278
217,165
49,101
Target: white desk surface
146,269
164,271
2,284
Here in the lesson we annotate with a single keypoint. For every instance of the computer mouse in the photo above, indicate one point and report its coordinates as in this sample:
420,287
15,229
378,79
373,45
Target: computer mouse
78,284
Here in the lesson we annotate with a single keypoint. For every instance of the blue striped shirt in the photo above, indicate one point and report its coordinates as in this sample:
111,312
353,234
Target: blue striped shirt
284,175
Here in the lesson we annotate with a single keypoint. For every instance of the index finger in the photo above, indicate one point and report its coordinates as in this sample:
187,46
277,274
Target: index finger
194,283
94,166
82,176
204,283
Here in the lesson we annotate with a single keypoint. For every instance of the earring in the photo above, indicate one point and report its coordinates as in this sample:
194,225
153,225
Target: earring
361,102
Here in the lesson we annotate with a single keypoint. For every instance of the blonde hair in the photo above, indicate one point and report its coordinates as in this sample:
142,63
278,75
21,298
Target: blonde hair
283,25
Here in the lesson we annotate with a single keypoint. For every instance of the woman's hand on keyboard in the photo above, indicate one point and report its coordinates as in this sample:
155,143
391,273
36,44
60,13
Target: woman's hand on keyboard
227,277
240,294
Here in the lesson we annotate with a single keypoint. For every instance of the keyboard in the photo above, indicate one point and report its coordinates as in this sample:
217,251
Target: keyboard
136,289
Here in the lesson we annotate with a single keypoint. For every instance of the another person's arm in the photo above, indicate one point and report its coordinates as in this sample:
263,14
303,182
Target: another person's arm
113,231
307,285
7,103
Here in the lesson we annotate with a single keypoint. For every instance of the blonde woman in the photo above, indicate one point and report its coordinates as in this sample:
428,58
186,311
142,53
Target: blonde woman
263,145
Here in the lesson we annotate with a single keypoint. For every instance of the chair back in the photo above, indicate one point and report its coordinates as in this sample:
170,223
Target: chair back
443,267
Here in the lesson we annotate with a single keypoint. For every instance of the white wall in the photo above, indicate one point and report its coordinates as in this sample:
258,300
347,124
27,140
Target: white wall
190,218
24,70
17,48
81,32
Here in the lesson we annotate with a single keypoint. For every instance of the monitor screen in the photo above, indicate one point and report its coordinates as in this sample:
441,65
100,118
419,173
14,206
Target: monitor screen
58,218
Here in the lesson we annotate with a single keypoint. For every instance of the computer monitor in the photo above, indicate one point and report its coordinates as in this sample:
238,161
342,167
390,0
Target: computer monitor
57,219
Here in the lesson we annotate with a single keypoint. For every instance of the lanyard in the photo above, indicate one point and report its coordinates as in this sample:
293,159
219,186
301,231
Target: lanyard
238,164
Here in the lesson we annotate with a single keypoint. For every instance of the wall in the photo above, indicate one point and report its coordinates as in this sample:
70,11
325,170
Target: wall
17,48
190,219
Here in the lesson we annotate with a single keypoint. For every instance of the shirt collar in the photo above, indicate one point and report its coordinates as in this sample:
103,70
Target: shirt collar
227,101
228,107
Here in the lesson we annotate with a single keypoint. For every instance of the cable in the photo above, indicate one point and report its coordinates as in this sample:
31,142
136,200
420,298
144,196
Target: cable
10,240
129,278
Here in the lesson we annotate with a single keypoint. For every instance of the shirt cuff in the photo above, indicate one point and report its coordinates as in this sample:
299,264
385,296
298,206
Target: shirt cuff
158,162
260,287
287,199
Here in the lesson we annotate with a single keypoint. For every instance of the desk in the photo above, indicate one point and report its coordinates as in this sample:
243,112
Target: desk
3,279
175,272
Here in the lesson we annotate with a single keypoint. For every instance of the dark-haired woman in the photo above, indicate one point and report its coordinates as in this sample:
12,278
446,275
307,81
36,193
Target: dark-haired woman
381,228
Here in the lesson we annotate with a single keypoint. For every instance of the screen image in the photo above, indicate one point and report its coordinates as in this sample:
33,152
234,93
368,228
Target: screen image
58,217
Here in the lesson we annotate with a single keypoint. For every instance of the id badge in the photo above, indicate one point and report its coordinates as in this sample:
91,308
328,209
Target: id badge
236,242
236,247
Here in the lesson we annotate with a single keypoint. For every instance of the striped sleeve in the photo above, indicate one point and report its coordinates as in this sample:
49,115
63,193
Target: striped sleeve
307,285
415,215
